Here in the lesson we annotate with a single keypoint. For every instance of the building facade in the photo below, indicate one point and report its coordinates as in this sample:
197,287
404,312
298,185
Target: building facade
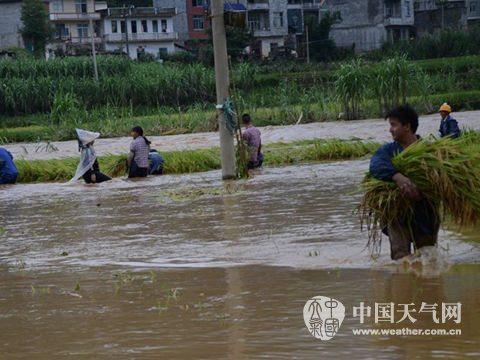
366,24
75,22
431,17
139,31
10,24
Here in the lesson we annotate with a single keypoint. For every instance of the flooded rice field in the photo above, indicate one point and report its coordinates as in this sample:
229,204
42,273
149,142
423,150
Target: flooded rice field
188,267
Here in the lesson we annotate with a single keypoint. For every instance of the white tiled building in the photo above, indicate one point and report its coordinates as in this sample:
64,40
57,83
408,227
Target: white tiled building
148,30
72,23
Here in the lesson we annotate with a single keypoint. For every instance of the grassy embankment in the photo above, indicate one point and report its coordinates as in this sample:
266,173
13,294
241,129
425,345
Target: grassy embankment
190,161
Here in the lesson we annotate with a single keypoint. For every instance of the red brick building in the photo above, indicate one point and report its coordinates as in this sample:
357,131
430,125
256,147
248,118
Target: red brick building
198,22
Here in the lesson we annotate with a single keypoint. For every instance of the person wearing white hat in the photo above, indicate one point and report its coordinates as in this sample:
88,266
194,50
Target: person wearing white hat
88,167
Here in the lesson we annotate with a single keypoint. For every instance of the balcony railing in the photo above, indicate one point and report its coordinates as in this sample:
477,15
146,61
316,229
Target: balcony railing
77,40
141,11
161,36
85,39
473,15
399,21
258,5
63,16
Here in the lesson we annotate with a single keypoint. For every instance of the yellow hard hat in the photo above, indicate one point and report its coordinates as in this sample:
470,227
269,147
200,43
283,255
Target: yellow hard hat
445,107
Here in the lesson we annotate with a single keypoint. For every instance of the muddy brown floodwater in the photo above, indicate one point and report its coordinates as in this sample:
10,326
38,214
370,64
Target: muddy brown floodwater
185,267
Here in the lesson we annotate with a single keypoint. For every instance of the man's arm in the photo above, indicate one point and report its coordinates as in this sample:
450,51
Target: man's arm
381,166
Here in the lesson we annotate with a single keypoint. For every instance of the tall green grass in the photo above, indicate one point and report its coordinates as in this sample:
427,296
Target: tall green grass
29,86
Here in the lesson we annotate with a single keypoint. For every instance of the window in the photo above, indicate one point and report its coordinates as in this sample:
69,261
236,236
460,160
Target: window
155,26
164,25
81,6
473,6
278,19
114,26
134,26
61,30
162,52
407,5
57,6
144,26
198,22
199,3
82,30
123,28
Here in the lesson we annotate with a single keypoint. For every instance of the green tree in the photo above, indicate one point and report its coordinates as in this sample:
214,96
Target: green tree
36,25
322,48
237,40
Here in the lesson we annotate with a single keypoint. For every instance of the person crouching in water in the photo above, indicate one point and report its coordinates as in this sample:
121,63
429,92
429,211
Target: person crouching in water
448,125
156,162
8,170
253,137
88,167
138,158
423,229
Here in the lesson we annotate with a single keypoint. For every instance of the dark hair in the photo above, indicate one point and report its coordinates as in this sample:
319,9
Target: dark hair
246,118
406,115
139,131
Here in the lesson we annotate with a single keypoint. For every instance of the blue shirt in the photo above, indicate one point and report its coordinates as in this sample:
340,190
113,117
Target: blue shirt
381,166
449,126
7,166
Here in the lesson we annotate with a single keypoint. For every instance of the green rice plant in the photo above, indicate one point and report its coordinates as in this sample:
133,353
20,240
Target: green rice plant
446,173
190,161
25,134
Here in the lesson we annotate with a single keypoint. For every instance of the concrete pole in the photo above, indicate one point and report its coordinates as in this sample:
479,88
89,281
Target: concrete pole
227,146
94,53
308,44
125,19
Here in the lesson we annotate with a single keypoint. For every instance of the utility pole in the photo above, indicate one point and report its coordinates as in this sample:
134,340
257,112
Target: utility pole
94,53
227,146
125,19
308,45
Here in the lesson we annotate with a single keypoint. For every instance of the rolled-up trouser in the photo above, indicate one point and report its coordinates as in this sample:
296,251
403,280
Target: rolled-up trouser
251,165
401,239
8,178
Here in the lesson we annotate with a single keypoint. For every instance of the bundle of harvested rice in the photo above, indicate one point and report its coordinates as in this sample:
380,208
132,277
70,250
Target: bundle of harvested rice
446,171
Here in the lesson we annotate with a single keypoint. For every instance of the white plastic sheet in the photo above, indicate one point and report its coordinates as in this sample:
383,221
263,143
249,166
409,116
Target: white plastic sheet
88,156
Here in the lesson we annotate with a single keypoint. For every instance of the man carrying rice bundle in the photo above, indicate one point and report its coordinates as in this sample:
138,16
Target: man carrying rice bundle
422,230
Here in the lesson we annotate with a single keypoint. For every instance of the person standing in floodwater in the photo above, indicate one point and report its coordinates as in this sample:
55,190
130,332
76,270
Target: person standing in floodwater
138,158
448,125
423,230
253,137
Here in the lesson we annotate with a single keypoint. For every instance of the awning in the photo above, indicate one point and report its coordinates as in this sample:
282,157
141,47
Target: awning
234,7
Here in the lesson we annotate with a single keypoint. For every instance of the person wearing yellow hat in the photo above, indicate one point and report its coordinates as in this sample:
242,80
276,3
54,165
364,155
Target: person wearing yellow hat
448,125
